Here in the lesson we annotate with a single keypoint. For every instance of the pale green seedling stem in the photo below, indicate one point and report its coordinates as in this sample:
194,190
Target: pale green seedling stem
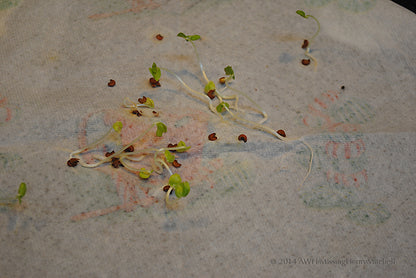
304,15
319,26
310,163
255,125
127,166
159,167
171,204
257,107
199,61
203,97
94,144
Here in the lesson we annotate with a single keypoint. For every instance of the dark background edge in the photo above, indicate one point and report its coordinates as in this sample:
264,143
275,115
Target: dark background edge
408,4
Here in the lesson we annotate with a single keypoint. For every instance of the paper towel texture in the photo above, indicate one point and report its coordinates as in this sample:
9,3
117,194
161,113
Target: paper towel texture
248,213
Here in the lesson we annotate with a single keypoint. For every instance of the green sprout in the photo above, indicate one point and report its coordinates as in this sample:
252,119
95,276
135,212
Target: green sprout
222,107
161,128
149,103
209,87
10,202
169,156
189,37
182,147
304,15
229,71
181,188
230,75
144,173
301,13
155,72
175,179
21,192
118,126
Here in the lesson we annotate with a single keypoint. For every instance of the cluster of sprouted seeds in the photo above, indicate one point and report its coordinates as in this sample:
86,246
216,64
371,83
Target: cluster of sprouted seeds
221,104
226,105
129,157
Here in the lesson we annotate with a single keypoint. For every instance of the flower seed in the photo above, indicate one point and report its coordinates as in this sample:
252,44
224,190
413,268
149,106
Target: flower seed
211,94
242,137
111,83
176,164
154,83
142,100
212,137
281,132
72,162
306,62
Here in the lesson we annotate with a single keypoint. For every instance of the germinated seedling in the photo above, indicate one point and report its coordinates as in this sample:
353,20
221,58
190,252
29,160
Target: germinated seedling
155,72
21,192
307,43
180,187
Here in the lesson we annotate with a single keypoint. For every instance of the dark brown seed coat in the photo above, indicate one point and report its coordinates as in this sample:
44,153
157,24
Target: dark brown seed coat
211,94
72,162
281,132
154,83
176,164
306,62
242,137
111,83
212,137
142,100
